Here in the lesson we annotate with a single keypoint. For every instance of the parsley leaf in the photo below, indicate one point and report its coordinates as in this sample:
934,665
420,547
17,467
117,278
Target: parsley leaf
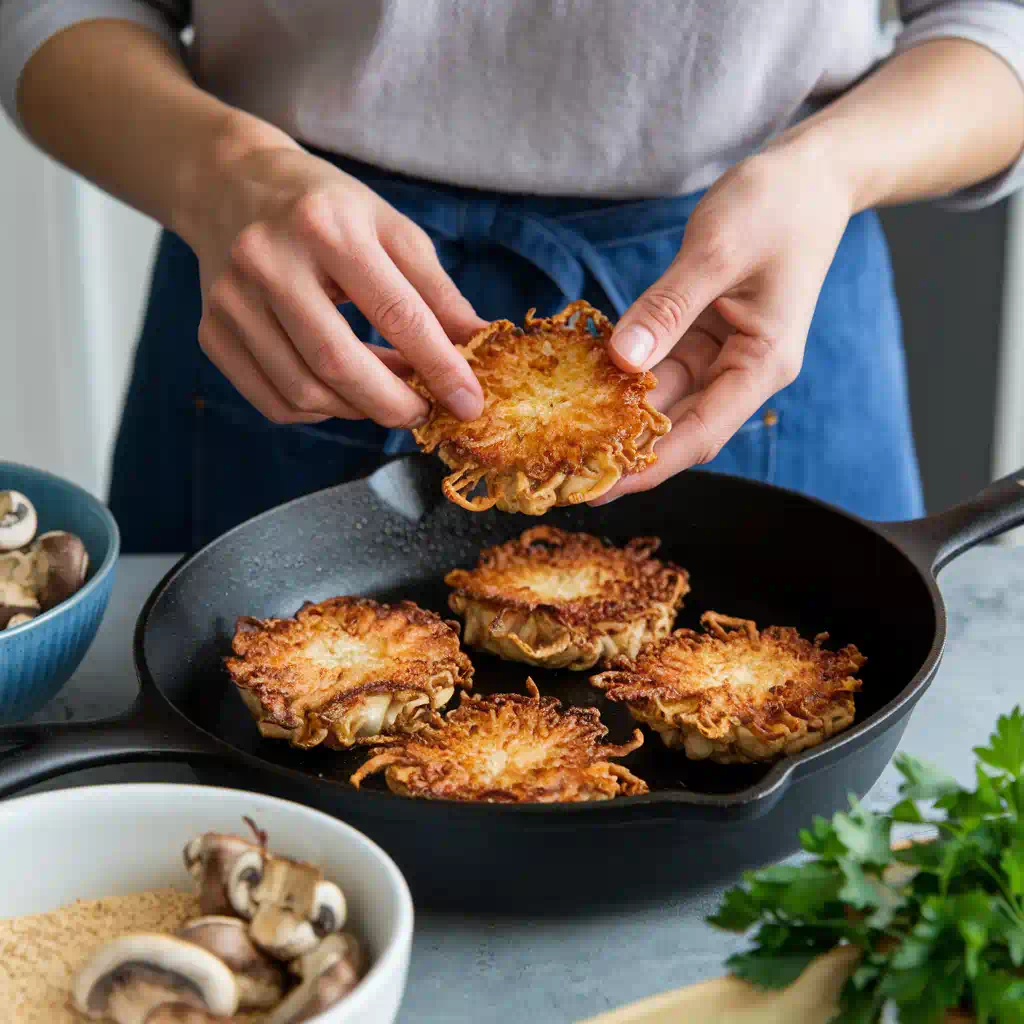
738,912
864,834
1005,750
941,922
867,892
1011,860
923,781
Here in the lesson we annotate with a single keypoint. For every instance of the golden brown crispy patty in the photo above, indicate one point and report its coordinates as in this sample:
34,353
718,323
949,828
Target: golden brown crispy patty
345,669
734,694
561,423
566,600
508,748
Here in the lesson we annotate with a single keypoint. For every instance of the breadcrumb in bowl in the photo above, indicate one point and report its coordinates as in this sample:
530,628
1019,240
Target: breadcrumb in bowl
737,695
561,423
508,748
347,670
557,599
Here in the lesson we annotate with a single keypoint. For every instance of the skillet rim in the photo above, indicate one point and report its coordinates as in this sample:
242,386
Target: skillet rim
754,799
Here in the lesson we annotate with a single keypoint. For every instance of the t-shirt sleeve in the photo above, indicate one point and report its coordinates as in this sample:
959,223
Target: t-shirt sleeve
997,25
26,24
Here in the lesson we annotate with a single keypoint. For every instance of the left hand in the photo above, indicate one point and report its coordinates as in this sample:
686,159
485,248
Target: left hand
724,328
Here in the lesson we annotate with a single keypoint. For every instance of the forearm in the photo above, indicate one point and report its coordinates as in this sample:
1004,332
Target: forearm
112,101
936,118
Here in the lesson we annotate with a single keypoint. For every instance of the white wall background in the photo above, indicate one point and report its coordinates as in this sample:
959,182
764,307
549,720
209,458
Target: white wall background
74,268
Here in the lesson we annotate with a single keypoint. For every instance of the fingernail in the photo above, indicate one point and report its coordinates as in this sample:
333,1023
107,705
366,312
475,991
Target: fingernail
464,404
634,344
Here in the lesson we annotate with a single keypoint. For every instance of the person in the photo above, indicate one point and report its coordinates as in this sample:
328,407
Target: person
350,190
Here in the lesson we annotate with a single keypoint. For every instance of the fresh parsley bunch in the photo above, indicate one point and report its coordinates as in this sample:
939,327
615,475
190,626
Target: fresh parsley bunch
941,923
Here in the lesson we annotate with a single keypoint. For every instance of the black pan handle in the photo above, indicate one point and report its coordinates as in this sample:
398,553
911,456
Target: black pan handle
936,540
142,733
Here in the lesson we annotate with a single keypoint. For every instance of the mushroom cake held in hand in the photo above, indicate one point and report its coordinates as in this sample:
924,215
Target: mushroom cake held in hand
347,669
567,600
735,694
507,748
561,422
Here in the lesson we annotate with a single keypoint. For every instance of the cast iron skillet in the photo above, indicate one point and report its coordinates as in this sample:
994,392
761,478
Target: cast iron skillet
752,550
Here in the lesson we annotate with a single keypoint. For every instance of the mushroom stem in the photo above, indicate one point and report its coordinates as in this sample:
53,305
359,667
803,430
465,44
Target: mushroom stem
260,980
328,973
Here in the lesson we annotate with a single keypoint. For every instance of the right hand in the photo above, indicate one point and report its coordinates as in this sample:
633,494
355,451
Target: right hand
286,237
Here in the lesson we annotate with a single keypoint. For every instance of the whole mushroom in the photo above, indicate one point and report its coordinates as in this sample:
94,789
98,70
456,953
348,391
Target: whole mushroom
260,980
61,563
18,593
155,979
227,868
327,974
17,520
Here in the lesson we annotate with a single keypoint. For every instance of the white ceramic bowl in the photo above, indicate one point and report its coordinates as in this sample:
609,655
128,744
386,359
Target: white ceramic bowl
96,841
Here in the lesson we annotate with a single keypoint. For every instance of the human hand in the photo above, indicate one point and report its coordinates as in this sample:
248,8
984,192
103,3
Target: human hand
724,328
285,237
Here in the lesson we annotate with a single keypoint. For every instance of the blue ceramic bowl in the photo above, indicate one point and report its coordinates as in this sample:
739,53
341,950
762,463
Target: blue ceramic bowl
38,658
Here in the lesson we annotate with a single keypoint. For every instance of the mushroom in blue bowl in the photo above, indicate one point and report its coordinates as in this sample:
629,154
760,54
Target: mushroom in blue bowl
58,549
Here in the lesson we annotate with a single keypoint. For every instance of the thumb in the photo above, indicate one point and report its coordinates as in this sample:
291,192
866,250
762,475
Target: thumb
653,325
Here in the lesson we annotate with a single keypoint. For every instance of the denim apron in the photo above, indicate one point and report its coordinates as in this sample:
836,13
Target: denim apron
193,458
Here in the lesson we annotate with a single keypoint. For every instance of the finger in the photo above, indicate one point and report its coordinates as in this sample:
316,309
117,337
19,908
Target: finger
744,377
414,254
371,280
393,360
674,381
234,360
703,269
321,335
244,312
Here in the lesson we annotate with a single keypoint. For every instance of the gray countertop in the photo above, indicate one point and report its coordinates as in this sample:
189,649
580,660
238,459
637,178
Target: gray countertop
557,971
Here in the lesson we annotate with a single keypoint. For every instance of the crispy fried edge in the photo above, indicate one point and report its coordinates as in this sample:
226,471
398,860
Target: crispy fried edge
575,634
397,754
271,707
715,722
512,489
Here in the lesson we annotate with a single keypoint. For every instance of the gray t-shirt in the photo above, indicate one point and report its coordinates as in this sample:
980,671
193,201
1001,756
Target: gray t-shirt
609,98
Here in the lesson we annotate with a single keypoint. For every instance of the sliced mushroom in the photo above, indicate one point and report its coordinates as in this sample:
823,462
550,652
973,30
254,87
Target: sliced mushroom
17,520
61,563
155,979
260,980
18,594
327,974
19,619
295,907
227,868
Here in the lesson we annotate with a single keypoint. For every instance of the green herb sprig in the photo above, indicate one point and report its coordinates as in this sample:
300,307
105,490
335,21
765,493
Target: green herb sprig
941,923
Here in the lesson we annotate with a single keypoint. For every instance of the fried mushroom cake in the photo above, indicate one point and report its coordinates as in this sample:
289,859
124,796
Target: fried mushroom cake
347,669
561,423
507,748
735,694
566,600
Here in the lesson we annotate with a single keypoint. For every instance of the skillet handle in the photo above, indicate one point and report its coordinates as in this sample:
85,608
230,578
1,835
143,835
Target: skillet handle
141,733
937,540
